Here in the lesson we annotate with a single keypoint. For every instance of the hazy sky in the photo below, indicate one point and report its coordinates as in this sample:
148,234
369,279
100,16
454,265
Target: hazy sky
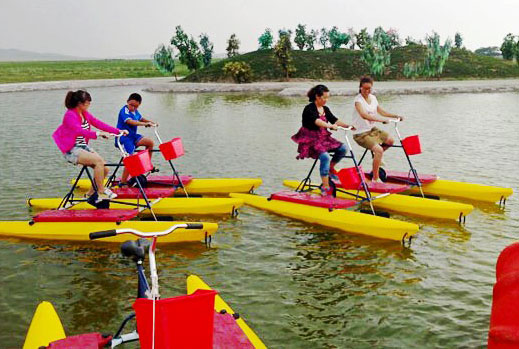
104,28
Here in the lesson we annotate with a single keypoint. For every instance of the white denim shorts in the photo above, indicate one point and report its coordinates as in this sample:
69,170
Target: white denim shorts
72,155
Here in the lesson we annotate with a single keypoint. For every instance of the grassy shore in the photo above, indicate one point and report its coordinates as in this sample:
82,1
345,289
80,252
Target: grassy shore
346,64
11,72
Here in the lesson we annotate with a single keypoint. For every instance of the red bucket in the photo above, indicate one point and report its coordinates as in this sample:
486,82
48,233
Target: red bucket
350,178
411,145
172,149
180,322
139,163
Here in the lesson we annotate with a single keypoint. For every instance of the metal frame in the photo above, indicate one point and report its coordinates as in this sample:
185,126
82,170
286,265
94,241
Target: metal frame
180,184
412,170
69,197
306,182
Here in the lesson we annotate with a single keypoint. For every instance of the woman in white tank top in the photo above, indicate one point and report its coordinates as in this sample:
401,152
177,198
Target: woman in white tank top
366,135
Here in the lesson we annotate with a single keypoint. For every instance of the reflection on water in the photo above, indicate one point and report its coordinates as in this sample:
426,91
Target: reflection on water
297,285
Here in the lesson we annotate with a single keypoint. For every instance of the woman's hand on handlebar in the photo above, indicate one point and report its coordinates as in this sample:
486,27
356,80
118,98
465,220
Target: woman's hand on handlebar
103,134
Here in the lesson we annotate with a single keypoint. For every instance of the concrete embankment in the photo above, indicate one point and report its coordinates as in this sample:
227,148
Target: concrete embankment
288,89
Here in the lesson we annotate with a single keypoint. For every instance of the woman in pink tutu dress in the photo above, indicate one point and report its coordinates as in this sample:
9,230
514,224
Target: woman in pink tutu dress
315,141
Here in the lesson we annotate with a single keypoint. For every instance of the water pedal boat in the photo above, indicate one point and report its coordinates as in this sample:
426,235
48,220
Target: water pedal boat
196,186
352,222
64,230
161,207
229,329
432,185
405,204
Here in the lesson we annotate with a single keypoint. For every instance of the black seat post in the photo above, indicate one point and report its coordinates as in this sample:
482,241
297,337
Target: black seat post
307,181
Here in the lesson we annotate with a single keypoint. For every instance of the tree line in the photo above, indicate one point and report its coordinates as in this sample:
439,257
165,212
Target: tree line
375,50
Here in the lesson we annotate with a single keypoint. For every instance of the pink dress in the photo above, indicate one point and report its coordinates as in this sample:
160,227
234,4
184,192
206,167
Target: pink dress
311,143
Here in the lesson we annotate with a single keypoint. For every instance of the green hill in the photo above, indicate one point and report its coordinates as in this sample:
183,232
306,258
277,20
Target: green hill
346,64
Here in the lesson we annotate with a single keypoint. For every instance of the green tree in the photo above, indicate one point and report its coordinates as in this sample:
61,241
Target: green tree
383,39
207,49
266,39
412,70
324,37
283,53
458,40
376,52
240,71
189,52
163,59
508,47
233,45
301,36
362,38
337,39
437,55
394,38
311,39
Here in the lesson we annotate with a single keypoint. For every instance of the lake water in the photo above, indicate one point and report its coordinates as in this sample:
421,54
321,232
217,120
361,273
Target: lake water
296,285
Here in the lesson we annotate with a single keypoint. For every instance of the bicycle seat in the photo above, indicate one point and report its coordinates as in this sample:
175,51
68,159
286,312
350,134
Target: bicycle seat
135,249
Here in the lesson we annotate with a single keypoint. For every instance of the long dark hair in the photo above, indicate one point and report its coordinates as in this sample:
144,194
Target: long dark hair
74,98
365,79
316,91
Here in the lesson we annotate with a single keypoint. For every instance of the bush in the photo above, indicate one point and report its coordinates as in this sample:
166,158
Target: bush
239,71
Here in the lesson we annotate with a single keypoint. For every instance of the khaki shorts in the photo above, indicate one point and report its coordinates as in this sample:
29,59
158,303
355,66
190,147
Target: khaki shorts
370,138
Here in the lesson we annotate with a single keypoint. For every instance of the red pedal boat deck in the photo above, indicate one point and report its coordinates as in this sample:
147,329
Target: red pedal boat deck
313,200
406,177
227,334
100,215
379,187
151,193
168,180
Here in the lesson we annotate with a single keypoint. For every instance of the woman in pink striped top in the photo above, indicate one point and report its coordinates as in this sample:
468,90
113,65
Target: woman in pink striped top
73,135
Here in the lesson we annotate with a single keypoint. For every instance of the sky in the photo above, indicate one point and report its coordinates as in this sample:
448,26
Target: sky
109,28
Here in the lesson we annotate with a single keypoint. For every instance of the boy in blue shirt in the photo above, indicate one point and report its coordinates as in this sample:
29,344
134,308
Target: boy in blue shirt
129,119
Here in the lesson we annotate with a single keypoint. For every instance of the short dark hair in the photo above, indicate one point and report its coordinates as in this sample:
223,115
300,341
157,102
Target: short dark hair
73,98
365,79
316,91
135,97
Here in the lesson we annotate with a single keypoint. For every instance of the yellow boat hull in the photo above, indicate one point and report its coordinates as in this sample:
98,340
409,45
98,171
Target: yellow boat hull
470,191
205,185
45,327
78,231
352,222
410,205
195,283
164,207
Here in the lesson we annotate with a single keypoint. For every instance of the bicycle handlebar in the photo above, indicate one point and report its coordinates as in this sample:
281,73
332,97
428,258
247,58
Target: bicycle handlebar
114,232
102,234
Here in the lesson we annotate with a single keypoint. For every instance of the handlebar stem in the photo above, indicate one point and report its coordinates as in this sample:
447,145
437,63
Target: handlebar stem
157,133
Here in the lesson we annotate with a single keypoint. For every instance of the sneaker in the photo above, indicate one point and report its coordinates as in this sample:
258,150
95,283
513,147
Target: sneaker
333,174
326,192
109,194
101,197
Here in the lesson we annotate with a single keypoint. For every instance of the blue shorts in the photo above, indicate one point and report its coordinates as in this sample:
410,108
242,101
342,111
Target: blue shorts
130,142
